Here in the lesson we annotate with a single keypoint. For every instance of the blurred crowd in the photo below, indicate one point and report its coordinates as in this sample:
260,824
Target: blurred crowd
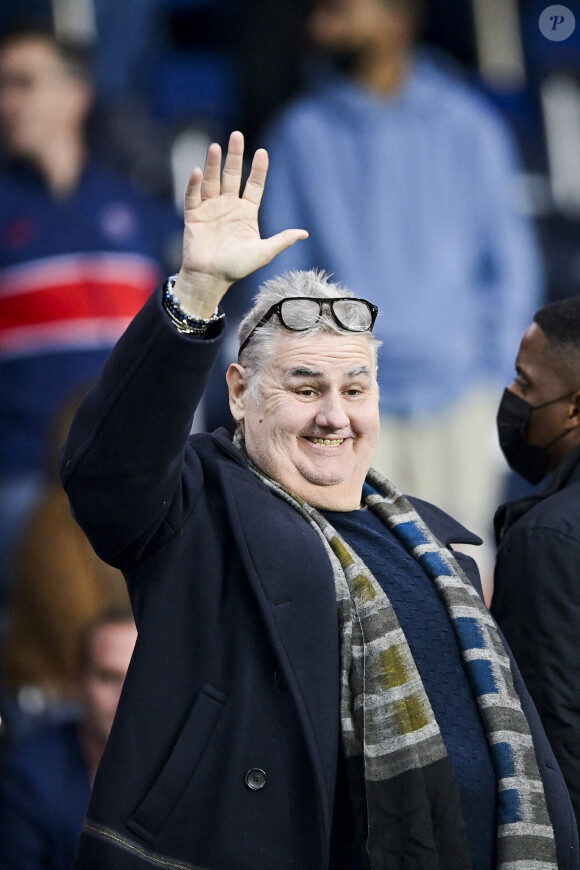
469,222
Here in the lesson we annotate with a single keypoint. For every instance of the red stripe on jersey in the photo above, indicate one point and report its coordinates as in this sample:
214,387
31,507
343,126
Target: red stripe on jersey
72,301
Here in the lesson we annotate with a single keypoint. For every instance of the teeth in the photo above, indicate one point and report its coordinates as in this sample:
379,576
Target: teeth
328,442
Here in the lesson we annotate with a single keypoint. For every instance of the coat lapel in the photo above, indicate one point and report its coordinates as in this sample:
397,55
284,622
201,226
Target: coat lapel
291,577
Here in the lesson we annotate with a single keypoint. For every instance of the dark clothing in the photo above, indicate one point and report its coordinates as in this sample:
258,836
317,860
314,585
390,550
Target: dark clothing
536,602
73,272
224,750
429,632
44,794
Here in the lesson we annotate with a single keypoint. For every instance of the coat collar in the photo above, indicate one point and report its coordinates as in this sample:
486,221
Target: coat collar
508,513
443,526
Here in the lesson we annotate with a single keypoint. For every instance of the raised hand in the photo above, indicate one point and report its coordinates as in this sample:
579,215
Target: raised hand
221,241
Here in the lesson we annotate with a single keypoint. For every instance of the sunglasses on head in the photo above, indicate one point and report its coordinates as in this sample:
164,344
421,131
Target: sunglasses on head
298,313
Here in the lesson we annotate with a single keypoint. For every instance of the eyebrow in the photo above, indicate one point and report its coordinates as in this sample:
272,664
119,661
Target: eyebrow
305,372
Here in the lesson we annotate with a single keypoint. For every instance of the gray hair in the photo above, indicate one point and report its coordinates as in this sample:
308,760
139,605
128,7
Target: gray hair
261,351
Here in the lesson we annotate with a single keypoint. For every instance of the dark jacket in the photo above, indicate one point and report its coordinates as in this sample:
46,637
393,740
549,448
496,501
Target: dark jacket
537,604
224,751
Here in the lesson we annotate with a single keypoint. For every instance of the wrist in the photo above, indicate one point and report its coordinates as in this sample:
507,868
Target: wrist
199,293
182,318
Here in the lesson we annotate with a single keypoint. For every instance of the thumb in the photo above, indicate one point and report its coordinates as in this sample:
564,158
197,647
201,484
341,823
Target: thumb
279,242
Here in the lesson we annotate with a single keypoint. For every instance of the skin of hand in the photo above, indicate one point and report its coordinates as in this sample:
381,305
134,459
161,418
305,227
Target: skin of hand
221,240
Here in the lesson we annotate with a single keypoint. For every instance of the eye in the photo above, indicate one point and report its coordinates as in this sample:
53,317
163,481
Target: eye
306,392
521,383
353,392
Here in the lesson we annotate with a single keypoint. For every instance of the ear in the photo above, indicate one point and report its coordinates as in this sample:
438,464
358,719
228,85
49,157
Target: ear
574,411
237,388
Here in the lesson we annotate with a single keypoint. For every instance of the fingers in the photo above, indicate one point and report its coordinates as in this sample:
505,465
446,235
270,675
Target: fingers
215,182
193,190
255,184
233,165
211,184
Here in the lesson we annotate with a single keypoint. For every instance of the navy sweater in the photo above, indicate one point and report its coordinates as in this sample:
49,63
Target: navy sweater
429,632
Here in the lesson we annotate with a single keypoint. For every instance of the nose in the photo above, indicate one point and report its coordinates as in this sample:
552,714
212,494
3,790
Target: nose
331,414
515,388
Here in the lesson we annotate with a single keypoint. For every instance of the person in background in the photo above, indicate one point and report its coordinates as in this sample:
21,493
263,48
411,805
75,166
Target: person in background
80,252
45,781
407,189
536,598
317,682
60,586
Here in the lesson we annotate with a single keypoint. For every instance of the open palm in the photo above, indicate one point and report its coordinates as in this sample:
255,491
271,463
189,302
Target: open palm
221,237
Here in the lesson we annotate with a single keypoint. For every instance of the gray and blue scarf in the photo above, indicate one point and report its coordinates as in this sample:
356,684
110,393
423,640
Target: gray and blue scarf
402,781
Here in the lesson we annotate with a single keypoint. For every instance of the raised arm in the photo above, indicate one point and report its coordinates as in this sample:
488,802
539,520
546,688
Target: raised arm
123,460
221,241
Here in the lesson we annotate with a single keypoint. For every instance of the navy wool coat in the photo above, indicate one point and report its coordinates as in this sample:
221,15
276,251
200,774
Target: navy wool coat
223,754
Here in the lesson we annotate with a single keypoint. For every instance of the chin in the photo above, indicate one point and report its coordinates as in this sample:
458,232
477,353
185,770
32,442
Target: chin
324,479
330,492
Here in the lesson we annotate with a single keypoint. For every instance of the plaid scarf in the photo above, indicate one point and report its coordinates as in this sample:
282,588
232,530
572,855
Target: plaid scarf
402,782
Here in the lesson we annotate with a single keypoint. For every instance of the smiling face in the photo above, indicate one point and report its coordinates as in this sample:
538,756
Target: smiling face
314,424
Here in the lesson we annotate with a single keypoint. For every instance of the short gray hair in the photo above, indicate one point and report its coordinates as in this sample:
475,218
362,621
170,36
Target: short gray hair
257,355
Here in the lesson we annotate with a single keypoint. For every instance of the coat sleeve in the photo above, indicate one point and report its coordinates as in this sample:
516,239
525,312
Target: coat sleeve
122,464
537,604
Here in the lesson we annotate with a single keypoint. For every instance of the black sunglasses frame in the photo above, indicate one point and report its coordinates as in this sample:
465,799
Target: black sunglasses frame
276,308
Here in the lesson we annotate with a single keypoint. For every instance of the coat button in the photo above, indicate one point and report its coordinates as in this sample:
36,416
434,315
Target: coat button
255,779
279,680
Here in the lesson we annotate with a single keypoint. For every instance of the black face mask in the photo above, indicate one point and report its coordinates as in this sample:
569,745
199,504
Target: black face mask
512,418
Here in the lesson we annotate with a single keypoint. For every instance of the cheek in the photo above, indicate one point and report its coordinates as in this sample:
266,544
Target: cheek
368,417
280,431
279,416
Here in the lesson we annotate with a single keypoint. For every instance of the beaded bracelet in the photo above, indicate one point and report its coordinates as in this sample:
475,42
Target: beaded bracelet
181,317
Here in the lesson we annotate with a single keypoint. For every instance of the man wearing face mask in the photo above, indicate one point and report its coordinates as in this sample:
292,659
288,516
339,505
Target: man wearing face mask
536,599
